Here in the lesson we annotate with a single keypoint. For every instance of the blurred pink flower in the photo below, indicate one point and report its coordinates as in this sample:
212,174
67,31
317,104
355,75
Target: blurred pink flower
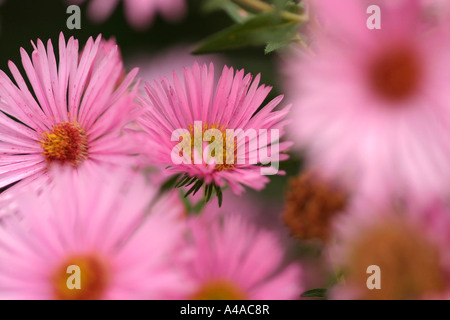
372,106
198,107
229,259
411,248
264,214
101,225
139,13
82,103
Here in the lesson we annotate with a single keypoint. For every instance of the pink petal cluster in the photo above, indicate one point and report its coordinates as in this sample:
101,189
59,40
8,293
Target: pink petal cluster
130,244
80,218
228,258
410,246
233,104
73,114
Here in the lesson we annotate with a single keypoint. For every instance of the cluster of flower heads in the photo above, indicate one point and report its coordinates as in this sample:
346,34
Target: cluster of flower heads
77,138
372,117
87,155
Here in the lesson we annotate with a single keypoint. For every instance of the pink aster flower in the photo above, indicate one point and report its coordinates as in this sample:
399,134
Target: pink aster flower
139,13
229,259
74,113
162,64
100,225
409,246
179,119
371,106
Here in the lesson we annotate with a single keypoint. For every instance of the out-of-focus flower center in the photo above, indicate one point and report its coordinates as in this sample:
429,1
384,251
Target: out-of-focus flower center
92,276
219,290
219,154
66,142
409,262
395,73
311,205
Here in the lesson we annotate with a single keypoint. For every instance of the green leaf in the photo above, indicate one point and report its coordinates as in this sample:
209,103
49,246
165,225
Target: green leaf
315,293
279,4
256,31
208,192
182,181
197,186
233,10
194,188
185,181
198,207
219,195
169,183
186,202
275,45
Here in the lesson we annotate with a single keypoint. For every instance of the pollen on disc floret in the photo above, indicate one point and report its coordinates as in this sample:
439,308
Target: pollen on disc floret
65,142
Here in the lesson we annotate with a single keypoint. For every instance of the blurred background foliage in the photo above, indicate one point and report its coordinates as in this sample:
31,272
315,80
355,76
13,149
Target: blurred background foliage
22,21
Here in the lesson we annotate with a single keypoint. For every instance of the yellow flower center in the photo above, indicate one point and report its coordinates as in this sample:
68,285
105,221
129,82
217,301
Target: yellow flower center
409,262
83,277
219,290
221,153
66,142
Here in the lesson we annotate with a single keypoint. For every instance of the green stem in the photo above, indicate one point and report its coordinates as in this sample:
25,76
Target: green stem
261,6
256,5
